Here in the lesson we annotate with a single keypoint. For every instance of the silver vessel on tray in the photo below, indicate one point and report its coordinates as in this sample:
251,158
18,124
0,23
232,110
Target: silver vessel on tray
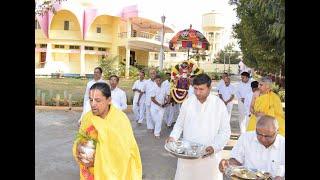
185,149
241,172
87,151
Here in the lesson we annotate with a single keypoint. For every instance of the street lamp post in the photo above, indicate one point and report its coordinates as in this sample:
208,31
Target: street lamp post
224,62
163,19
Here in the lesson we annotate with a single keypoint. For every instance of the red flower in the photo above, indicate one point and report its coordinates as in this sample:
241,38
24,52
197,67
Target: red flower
90,128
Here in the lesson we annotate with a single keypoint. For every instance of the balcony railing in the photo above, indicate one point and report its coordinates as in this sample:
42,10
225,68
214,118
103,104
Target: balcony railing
145,35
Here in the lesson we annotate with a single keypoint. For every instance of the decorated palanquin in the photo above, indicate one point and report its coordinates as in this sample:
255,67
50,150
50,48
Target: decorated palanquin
180,79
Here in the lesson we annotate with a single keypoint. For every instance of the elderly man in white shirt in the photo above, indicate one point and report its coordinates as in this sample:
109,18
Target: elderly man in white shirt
139,98
221,82
226,94
118,96
150,85
263,149
97,77
158,96
242,90
203,119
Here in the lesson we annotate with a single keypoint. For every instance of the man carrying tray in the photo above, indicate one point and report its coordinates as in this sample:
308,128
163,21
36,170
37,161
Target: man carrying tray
203,119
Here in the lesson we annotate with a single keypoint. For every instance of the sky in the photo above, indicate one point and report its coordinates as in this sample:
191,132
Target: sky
179,14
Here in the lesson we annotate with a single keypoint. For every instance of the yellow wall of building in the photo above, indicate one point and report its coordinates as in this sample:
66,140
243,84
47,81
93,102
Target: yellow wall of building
37,61
57,31
142,57
74,63
106,23
91,61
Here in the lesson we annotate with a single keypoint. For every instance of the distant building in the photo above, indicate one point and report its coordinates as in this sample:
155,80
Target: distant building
78,35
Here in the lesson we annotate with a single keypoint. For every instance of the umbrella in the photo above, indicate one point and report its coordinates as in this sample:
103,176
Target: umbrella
187,39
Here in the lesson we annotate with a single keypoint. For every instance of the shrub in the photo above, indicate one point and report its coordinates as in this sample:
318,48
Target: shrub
282,94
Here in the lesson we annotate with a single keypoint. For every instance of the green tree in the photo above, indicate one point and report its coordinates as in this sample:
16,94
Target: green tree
45,6
227,52
261,33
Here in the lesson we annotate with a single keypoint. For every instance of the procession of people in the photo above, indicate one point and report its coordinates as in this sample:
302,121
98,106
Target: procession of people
202,117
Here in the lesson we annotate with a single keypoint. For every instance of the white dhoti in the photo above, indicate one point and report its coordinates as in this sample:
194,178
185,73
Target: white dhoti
157,116
202,169
242,115
244,124
139,111
150,124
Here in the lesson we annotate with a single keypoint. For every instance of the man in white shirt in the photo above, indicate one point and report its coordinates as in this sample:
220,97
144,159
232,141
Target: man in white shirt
191,90
221,82
97,77
118,96
150,84
247,105
226,94
242,90
168,110
139,98
242,66
158,96
203,119
263,149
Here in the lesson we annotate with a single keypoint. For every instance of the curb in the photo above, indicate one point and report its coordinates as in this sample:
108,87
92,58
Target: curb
66,108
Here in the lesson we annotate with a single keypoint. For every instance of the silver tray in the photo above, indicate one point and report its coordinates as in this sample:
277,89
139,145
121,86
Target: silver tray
246,173
182,149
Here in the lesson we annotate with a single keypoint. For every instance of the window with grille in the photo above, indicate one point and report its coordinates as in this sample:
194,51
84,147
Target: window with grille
102,49
66,25
98,29
74,47
43,46
88,48
173,55
59,46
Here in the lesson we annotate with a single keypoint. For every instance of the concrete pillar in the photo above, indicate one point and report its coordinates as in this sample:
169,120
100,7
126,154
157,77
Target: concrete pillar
82,61
127,60
49,53
128,48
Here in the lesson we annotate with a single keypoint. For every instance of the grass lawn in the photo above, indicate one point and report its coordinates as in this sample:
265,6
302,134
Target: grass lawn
76,87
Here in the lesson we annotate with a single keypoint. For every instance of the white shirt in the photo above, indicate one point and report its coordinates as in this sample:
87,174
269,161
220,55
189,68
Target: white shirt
159,93
206,123
166,85
119,98
249,152
227,91
149,87
190,91
141,86
220,83
243,89
247,103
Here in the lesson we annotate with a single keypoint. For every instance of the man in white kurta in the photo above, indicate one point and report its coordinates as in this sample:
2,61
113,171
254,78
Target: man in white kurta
97,77
263,149
227,94
203,119
118,96
221,82
158,96
168,110
243,88
150,84
139,98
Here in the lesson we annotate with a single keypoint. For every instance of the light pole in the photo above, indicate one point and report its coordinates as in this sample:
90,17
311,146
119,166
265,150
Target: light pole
224,62
163,19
